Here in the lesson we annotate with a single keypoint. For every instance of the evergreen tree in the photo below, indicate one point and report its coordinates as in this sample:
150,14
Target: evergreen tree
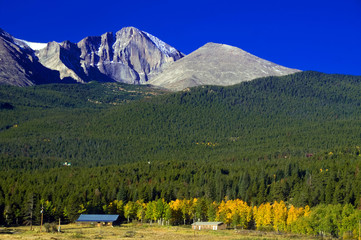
29,210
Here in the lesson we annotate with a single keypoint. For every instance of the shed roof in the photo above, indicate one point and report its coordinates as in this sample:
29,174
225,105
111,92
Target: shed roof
207,223
97,218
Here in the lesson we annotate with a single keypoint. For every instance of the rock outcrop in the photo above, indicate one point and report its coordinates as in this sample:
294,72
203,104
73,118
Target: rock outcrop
129,56
19,65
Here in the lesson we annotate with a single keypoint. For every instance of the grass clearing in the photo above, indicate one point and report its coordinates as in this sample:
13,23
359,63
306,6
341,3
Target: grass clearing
140,231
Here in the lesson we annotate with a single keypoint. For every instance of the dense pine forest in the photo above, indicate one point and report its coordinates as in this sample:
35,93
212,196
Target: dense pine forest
77,148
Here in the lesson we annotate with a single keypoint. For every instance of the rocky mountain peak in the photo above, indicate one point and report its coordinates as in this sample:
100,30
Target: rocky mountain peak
129,56
68,45
217,64
127,33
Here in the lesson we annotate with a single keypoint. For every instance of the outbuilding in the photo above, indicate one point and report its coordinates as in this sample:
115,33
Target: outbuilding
100,219
209,225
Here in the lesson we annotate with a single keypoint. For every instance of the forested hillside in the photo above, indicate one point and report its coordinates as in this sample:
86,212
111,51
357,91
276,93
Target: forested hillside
291,116
294,138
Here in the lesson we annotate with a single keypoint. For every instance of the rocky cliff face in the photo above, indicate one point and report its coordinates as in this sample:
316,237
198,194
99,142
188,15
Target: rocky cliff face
130,56
19,66
217,64
64,58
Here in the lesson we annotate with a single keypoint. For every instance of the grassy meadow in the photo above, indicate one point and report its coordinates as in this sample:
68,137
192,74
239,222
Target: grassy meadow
138,231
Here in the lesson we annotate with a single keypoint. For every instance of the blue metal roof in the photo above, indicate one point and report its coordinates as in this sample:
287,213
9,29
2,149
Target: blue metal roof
97,218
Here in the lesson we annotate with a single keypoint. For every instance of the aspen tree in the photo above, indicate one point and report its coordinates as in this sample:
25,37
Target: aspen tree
279,216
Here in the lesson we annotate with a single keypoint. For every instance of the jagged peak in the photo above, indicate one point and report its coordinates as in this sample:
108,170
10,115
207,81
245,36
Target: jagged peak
107,35
89,39
128,32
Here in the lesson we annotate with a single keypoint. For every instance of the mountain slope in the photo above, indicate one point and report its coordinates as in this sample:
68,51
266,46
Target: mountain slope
19,66
217,64
293,115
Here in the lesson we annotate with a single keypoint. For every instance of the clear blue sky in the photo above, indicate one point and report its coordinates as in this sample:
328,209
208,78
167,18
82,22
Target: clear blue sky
320,35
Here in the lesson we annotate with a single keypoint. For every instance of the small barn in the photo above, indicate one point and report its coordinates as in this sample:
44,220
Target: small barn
209,225
99,219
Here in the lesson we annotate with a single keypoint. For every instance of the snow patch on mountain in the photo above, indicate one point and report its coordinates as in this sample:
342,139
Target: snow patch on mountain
32,45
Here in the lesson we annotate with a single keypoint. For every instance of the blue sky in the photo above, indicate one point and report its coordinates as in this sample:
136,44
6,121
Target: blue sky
315,35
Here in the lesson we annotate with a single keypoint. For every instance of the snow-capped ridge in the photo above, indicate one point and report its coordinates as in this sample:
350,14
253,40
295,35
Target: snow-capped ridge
165,48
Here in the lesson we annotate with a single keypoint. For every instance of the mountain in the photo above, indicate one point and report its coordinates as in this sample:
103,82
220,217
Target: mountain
19,65
217,64
130,56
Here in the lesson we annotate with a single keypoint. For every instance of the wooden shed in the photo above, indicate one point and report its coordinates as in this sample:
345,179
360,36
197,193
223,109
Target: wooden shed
209,225
99,219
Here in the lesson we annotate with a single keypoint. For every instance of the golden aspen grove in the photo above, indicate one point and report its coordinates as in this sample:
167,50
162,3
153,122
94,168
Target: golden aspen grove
277,216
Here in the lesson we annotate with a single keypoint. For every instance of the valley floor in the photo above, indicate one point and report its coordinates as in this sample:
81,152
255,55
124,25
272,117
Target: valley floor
138,231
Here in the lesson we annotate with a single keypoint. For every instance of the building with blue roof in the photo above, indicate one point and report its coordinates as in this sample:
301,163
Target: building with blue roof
100,219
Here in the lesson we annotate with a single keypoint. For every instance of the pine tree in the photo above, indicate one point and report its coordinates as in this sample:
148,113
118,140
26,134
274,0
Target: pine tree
29,210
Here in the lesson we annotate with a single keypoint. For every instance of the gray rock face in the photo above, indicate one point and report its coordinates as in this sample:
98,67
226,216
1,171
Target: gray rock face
19,66
217,64
64,58
130,56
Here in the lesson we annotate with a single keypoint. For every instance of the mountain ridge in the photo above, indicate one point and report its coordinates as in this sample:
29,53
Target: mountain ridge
133,56
128,56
